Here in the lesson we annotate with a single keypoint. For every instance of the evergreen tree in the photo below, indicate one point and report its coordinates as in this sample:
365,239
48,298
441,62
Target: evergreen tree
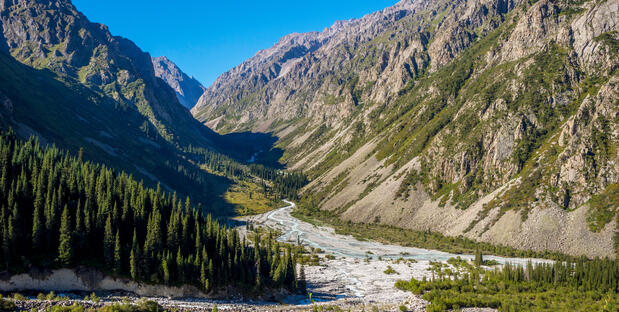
134,256
107,207
166,271
37,221
65,248
108,243
133,264
117,254
479,259
302,284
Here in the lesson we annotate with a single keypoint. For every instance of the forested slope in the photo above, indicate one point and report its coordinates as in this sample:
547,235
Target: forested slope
57,210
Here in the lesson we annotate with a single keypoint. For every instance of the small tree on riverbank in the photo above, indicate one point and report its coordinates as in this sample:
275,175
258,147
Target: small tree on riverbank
479,258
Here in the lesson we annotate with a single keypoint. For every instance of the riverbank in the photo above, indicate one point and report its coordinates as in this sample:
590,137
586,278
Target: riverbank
422,239
352,274
355,272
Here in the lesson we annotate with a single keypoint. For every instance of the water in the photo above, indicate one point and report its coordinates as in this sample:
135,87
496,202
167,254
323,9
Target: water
348,246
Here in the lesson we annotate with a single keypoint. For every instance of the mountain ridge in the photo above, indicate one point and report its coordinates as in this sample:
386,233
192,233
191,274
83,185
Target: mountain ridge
451,118
71,83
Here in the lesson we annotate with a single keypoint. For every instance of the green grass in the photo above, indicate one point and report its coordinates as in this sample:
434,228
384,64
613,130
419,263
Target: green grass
603,208
249,199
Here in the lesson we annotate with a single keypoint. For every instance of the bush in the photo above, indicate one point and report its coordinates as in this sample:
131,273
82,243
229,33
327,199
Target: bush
92,297
73,308
390,270
6,305
50,296
140,306
18,296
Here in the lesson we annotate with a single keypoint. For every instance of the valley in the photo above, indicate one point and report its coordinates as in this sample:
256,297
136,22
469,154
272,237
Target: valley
434,155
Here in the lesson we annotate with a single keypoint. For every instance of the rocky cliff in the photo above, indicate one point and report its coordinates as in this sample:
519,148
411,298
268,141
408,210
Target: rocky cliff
492,119
188,89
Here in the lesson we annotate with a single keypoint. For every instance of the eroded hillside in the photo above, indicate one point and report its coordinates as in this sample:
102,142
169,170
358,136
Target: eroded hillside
496,120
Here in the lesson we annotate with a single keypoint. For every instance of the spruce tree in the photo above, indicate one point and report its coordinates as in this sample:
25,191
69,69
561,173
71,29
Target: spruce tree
37,227
133,265
302,284
166,271
65,247
479,260
117,254
108,243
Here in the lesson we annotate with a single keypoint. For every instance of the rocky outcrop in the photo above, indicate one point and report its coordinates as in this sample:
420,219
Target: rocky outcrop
188,89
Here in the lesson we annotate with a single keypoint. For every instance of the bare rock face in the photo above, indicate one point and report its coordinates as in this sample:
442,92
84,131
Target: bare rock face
188,89
493,119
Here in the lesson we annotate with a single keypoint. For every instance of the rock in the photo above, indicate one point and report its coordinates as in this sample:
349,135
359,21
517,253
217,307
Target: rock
188,89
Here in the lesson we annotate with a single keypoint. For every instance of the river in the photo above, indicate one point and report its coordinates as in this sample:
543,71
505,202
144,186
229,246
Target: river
357,272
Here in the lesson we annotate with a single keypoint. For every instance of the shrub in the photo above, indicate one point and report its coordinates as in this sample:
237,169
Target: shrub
18,296
6,305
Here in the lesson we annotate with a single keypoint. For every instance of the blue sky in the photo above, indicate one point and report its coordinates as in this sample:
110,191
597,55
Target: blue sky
207,38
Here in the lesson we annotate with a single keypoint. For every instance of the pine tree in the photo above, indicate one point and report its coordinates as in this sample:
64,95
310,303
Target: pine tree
203,277
117,254
65,248
166,271
479,260
108,243
133,258
302,283
37,226
133,265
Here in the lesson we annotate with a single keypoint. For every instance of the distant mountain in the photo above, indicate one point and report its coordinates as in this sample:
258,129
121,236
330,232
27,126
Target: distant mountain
188,89
491,119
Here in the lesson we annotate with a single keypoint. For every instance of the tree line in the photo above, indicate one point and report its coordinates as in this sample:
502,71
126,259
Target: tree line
283,184
585,284
57,210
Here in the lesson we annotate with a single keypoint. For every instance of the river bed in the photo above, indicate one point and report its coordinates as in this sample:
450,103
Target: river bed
357,273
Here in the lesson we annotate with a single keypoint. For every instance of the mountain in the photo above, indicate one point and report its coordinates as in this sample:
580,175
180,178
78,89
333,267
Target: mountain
73,84
188,89
491,119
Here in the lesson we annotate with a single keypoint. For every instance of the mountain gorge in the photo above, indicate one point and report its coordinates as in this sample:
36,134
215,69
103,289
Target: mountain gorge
494,120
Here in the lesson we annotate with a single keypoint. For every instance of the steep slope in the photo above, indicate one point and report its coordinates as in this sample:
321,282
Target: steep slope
496,120
54,35
325,75
73,84
188,89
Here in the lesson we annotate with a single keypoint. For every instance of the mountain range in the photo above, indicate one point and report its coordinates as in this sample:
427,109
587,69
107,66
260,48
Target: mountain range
491,119
495,120
71,83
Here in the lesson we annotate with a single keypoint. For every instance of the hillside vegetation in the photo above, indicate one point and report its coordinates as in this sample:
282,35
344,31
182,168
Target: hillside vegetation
57,210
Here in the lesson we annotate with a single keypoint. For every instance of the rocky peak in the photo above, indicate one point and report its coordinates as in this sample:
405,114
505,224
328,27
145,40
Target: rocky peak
352,62
188,89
